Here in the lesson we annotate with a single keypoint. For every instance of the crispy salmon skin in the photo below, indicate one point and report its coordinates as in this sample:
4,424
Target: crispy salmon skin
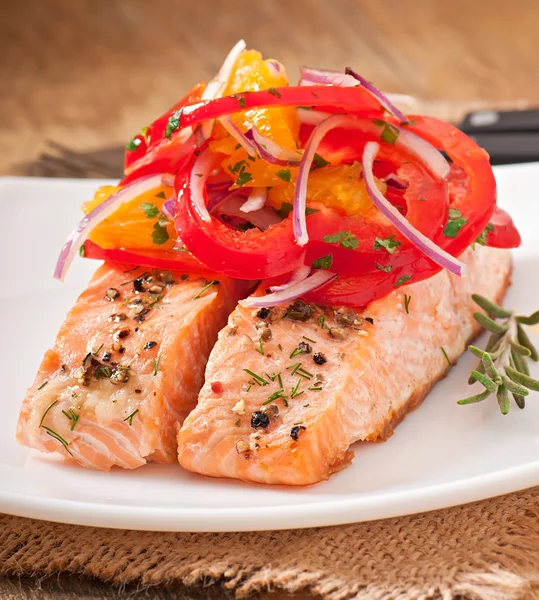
126,367
289,389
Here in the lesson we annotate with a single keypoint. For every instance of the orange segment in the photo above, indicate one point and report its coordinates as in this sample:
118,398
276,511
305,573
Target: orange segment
340,187
137,224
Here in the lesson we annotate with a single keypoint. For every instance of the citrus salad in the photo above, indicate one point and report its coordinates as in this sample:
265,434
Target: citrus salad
323,190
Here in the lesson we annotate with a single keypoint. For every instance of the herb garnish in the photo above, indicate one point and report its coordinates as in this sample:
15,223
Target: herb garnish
319,161
173,123
407,303
482,239
155,363
386,269
133,144
42,386
160,234
46,411
294,393
286,208
206,287
274,92
260,348
161,195
243,178
455,223
323,262
390,132
503,369
284,174
308,339
446,356
389,243
150,210
257,378
345,238
130,417
402,280
57,437
240,99
72,416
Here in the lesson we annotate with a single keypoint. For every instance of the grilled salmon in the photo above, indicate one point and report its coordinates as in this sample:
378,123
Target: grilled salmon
289,389
126,367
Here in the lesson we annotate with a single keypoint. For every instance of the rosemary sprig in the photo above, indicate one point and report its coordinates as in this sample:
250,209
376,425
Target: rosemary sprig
503,369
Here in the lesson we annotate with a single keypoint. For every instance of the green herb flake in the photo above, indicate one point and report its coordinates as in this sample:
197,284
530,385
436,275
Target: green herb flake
407,300
482,239
47,411
274,92
130,417
161,195
243,178
294,391
308,339
390,133
454,213
81,251
133,144
160,234
422,198
284,175
205,288
149,209
319,161
453,227
155,363
173,123
322,322
344,238
57,437
402,280
258,379
323,263
446,356
72,416
42,386
389,243
260,348
386,269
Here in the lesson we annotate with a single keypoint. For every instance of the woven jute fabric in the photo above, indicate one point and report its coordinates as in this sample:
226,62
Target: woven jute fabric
487,550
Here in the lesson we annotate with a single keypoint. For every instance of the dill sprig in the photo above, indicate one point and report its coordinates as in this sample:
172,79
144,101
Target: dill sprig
503,367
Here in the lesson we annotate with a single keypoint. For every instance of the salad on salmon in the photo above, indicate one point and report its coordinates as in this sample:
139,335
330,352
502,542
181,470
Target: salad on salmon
288,269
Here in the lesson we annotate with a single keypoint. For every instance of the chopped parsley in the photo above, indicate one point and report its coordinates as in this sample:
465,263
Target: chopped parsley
390,132
81,251
161,195
160,234
133,144
240,99
344,238
237,166
149,209
130,417
173,123
453,226
284,174
389,243
387,269
482,239
319,161
243,178
274,92
287,207
323,263
402,280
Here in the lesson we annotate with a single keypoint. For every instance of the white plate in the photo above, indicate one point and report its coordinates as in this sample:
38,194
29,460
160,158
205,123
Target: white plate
441,455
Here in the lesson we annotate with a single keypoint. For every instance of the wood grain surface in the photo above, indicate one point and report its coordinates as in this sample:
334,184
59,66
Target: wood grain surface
90,73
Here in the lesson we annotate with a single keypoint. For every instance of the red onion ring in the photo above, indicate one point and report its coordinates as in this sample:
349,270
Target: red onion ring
262,218
310,76
426,245
396,182
217,85
379,95
312,117
318,279
275,67
296,276
237,134
256,201
168,209
270,151
198,177
80,234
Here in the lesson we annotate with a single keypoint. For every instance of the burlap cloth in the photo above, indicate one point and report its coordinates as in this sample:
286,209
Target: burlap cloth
487,550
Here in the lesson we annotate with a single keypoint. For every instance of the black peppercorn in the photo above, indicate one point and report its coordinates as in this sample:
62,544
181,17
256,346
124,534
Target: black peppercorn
319,358
138,285
259,420
295,431
149,345
263,313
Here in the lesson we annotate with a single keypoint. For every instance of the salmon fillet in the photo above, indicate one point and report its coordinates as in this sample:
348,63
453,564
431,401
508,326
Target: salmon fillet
126,367
284,398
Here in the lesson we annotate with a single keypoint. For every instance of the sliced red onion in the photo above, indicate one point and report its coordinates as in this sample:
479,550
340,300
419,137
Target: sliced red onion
310,76
218,193
312,117
379,95
202,168
217,85
396,182
275,67
298,275
427,246
80,234
270,151
316,280
168,209
237,134
263,218
421,149
199,137
257,199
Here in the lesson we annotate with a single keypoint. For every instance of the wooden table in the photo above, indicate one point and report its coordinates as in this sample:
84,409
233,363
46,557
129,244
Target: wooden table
90,73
